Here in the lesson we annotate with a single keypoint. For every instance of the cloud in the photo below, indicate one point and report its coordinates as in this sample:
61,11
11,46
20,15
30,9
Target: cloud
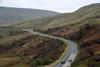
55,5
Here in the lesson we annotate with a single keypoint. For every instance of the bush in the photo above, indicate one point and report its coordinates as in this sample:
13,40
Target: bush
40,62
1,36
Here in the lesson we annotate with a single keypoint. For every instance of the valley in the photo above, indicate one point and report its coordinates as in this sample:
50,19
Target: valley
57,40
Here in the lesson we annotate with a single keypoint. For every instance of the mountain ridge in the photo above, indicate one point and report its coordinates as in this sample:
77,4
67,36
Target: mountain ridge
86,14
11,15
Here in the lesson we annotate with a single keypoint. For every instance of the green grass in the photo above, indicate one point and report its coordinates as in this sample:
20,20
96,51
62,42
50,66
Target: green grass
9,39
40,62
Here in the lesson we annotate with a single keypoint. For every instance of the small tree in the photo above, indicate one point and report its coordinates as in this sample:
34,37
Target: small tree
81,32
1,36
10,30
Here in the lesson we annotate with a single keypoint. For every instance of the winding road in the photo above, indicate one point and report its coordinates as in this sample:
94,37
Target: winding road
69,56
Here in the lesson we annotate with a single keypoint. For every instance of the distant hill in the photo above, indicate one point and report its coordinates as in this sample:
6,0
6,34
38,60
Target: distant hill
88,14
14,15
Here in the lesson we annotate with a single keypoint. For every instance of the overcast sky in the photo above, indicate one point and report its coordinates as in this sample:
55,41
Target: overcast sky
54,5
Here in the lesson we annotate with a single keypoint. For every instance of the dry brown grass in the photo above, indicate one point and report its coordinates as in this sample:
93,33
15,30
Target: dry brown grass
9,61
21,65
10,39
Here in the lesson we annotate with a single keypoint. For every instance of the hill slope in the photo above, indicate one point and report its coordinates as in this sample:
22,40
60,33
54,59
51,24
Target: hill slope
12,15
87,14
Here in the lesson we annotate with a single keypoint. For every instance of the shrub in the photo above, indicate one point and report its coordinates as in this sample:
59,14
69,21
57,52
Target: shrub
1,36
40,62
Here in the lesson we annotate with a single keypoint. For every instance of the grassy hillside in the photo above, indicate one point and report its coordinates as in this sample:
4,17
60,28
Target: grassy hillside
81,26
24,49
87,14
10,15
87,37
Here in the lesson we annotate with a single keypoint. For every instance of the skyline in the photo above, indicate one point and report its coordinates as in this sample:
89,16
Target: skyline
62,6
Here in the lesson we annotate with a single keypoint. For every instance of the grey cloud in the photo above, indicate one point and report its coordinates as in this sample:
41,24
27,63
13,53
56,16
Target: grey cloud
55,5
